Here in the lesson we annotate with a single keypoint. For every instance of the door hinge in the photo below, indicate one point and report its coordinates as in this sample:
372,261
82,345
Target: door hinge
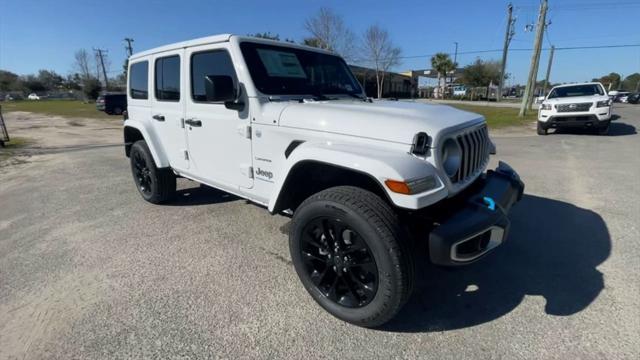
246,170
245,131
186,155
182,123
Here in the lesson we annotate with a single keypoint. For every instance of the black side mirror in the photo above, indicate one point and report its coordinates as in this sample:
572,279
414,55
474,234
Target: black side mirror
221,88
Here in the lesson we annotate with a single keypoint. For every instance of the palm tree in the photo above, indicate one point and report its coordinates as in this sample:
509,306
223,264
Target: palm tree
442,63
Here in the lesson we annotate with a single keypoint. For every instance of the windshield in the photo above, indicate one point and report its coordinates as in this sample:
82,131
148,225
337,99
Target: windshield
280,70
578,90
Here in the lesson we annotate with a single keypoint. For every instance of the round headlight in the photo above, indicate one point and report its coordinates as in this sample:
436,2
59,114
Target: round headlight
451,157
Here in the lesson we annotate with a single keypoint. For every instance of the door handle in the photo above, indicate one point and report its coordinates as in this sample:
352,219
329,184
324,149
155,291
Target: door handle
158,117
193,122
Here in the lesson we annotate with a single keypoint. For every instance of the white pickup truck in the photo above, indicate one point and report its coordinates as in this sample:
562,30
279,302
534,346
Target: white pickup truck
575,105
290,128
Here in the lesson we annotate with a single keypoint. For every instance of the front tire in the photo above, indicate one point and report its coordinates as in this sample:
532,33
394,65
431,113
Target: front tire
154,184
541,129
604,130
351,255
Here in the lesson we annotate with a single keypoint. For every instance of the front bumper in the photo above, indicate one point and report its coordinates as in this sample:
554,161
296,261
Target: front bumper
479,223
552,118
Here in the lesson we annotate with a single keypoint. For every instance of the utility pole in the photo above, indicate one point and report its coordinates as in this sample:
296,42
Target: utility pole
535,58
546,79
104,70
128,46
507,40
455,64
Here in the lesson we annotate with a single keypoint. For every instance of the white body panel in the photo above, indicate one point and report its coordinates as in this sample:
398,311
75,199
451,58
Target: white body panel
243,152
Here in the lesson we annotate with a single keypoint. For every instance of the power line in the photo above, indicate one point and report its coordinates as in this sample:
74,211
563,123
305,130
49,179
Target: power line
471,52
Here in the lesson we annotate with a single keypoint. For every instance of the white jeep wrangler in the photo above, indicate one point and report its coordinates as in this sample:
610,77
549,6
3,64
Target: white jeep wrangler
575,105
289,127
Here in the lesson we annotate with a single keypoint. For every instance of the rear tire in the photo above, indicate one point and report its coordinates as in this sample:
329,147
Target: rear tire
352,255
154,184
117,111
541,129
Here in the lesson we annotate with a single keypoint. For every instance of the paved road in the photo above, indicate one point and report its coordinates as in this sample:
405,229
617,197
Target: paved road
88,270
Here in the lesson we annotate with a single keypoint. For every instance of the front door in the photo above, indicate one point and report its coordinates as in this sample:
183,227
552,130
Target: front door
167,113
219,138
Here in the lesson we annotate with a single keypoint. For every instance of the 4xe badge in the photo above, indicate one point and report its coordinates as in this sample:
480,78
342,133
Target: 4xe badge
263,173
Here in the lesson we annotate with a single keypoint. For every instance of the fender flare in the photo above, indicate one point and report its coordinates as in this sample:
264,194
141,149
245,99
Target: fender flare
379,163
149,136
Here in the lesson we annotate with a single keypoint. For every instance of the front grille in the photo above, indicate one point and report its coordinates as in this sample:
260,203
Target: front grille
475,146
574,107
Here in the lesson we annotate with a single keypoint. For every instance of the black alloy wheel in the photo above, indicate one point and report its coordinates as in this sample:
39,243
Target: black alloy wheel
339,262
352,255
156,185
142,174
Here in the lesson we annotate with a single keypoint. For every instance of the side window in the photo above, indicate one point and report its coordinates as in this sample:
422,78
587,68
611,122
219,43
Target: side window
139,80
215,62
167,72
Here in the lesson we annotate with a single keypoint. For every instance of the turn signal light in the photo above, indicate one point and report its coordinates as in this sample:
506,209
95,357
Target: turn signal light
399,187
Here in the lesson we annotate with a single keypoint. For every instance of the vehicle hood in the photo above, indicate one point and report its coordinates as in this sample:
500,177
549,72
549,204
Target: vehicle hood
576,99
395,121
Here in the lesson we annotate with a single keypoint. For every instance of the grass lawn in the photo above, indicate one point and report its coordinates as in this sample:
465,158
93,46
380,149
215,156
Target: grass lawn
9,148
498,117
66,108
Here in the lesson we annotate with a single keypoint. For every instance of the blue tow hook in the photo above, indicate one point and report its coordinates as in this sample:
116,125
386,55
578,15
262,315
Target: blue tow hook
491,204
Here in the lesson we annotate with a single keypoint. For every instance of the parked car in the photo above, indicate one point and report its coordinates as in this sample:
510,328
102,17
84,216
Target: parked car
575,105
112,103
634,98
459,90
33,96
618,96
289,127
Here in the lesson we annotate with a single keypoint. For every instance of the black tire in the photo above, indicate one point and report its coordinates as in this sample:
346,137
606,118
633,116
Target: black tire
154,184
117,111
541,129
604,130
369,221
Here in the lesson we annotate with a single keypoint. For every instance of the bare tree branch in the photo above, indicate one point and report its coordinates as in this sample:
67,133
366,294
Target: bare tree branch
381,52
329,32
82,63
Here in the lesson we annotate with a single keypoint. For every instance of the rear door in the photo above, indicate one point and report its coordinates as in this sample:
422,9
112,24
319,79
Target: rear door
168,106
220,140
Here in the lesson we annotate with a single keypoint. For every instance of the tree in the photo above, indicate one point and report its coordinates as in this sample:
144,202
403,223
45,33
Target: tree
611,81
632,82
381,53
312,41
328,31
9,81
50,79
32,83
442,63
82,63
91,87
482,74
269,36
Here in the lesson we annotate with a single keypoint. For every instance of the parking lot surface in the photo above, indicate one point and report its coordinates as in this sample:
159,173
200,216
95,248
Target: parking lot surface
89,270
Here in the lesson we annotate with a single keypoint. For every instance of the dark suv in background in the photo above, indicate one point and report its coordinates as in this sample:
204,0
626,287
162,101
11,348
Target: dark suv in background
112,103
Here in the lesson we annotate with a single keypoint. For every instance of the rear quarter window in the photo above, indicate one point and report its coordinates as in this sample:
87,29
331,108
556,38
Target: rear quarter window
139,80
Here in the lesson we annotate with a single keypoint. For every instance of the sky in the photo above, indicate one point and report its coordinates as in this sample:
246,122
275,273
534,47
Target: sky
45,34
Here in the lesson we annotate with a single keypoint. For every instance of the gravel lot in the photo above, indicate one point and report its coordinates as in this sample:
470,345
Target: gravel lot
89,270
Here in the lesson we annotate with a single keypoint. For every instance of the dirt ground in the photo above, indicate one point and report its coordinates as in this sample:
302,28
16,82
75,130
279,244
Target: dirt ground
45,134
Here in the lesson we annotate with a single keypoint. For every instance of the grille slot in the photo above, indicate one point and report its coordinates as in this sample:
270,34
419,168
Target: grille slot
475,153
574,107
